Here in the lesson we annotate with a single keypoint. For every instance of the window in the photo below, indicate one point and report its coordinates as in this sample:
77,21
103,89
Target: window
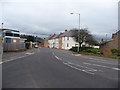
67,38
8,40
67,45
8,34
16,35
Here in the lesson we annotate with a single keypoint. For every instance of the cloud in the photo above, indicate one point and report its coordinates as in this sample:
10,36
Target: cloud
53,16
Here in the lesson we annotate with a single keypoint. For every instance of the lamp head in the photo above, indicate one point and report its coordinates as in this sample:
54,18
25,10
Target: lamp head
71,13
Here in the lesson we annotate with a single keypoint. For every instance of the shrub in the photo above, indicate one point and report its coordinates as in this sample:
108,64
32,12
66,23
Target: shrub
93,50
115,52
73,49
87,50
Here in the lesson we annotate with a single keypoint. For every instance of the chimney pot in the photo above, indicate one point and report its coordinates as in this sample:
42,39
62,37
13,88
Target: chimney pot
65,30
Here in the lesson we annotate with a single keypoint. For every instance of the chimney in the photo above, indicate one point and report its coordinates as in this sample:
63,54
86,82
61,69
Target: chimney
65,30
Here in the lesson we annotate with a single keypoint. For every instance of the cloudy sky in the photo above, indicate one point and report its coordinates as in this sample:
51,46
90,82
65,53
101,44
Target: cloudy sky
53,16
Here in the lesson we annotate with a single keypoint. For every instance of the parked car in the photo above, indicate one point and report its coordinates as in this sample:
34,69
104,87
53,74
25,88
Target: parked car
36,46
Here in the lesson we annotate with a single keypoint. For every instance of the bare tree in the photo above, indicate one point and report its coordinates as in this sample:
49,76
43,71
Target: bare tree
84,36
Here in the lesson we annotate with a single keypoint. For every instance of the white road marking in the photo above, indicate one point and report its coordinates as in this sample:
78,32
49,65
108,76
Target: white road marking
101,61
115,68
77,68
101,66
96,60
1,62
29,53
17,58
77,54
88,70
57,57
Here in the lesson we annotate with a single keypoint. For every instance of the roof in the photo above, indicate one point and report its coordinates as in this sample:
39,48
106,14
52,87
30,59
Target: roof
9,30
50,37
47,38
59,35
68,33
55,36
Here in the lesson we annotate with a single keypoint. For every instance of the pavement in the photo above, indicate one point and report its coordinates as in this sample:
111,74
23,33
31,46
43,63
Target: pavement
8,56
53,68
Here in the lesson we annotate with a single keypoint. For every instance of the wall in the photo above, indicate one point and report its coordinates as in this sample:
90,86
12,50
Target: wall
56,43
50,43
46,43
68,40
60,43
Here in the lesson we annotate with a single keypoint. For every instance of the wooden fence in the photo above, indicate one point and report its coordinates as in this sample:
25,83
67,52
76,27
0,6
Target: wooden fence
13,46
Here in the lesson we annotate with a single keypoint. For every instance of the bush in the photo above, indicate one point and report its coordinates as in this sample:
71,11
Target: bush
73,49
82,48
115,52
93,50
87,50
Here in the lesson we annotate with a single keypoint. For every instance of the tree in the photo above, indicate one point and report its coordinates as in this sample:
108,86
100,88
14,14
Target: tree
94,42
84,36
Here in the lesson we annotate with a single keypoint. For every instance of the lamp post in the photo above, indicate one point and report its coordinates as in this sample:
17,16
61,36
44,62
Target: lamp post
2,25
78,50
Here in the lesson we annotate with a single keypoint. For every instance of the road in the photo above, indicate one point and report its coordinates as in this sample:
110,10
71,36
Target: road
52,68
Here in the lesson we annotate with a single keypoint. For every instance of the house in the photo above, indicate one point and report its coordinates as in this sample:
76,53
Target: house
112,44
46,42
68,40
59,41
12,40
51,41
62,41
55,41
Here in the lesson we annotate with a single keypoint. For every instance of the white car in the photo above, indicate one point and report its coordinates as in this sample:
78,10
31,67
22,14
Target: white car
36,46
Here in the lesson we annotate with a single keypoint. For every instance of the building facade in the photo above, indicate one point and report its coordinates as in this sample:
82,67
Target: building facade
62,41
12,40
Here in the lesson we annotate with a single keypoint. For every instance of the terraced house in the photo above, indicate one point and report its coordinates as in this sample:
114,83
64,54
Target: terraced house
63,40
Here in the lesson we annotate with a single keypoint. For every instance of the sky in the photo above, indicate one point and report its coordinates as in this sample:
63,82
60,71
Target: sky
53,16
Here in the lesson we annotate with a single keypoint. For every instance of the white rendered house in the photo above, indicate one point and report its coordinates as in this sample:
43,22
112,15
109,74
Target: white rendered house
68,41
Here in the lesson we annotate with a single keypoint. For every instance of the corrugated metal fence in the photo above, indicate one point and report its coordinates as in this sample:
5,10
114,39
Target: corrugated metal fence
13,46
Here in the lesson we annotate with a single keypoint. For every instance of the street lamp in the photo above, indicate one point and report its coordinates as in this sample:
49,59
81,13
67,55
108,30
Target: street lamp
78,32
